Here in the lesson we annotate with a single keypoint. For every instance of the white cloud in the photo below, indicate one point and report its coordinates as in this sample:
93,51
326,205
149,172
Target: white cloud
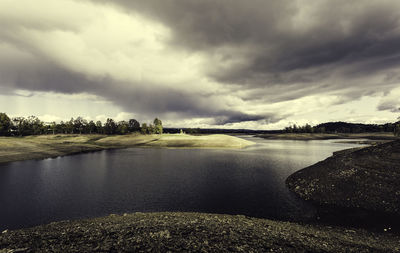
47,118
391,101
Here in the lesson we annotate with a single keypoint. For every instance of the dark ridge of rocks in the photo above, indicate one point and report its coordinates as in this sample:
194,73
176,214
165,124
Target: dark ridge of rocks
191,232
366,179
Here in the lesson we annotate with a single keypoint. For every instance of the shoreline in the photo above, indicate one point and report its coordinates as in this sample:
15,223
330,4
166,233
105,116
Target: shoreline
176,231
380,136
13,149
358,184
235,232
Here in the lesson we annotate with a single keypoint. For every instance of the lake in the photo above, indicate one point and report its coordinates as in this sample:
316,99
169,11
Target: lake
249,181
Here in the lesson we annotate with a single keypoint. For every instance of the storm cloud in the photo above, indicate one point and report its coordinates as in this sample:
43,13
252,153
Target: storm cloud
263,43
225,62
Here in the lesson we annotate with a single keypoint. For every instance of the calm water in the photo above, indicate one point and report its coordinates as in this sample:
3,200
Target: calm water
250,181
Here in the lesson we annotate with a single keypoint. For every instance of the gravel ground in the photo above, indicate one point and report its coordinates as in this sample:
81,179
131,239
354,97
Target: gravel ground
355,187
191,232
365,178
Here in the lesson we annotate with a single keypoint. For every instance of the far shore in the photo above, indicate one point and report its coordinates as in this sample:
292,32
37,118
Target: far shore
371,138
48,146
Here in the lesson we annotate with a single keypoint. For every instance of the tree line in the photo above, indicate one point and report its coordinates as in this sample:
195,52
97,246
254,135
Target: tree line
32,125
344,127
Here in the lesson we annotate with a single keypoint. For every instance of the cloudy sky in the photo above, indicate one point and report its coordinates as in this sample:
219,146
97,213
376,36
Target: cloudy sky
202,63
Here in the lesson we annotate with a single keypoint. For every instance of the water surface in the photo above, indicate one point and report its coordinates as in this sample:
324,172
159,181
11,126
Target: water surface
249,181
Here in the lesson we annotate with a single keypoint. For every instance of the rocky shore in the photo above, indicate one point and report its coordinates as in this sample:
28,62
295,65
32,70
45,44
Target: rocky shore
362,181
191,232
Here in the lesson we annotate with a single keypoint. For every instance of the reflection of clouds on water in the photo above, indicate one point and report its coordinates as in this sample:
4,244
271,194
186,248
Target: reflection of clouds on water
248,181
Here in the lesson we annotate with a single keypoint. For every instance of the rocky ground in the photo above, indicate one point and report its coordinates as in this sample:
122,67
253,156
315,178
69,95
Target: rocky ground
191,232
366,180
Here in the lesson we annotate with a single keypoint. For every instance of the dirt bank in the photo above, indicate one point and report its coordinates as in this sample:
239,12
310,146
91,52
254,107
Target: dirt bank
191,232
46,146
180,141
364,179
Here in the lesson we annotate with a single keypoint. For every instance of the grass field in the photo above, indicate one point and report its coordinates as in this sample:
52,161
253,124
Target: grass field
45,146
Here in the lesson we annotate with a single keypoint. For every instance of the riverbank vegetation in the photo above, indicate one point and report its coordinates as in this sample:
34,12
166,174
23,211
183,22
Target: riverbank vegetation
372,138
344,127
32,125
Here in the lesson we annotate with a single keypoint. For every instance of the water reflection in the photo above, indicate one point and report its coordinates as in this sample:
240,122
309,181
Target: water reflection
248,181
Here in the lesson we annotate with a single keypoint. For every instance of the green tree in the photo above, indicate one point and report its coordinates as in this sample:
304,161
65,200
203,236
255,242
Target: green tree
35,125
20,126
397,130
295,128
69,126
110,127
144,129
53,127
151,129
61,128
91,127
123,127
99,127
308,128
5,124
289,129
79,125
134,125
158,128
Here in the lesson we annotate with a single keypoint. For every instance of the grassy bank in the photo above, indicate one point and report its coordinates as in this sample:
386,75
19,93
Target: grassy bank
191,232
45,146
178,141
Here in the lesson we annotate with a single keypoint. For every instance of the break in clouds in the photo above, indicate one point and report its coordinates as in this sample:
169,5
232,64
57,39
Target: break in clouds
203,63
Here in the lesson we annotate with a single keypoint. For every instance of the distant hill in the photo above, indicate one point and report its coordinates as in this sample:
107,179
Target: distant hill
218,131
344,127
329,127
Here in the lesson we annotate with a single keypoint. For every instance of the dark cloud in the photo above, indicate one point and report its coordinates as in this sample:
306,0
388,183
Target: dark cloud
235,117
162,101
41,75
268,51
263,43
33,73
392,105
